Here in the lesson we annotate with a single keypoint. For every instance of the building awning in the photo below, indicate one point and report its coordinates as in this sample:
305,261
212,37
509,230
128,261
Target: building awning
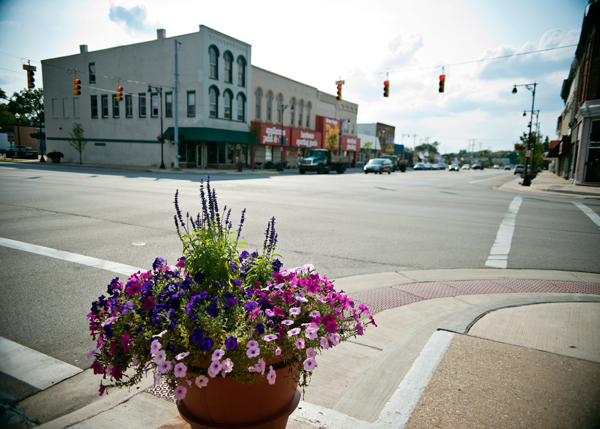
553,153
207,135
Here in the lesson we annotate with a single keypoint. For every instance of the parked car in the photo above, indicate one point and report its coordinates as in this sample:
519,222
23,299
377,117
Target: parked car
478,166
496,167
434,167
442,166
19,150
427,166
465,167
519,168
379,165
419,166
454,167
507,167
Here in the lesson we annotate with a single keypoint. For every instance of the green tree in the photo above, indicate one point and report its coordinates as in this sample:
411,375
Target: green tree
368,147
77,141
28,104
332,142
253,140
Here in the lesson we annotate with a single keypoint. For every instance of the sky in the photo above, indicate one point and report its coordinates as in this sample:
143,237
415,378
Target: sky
317,42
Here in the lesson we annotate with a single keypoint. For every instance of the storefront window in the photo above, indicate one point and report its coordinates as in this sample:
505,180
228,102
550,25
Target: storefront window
268,154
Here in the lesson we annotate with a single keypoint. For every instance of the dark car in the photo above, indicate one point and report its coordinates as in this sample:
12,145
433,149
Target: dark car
478,166
454,167
379,165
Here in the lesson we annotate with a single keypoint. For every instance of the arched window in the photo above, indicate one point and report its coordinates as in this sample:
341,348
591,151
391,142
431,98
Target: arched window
227,105
257,101
300,108
214,101
269,105
214,62
292,111
241,107
241,62
279,111
308,115
228,59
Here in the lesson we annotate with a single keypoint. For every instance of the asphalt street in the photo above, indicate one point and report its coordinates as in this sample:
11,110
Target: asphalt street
345,225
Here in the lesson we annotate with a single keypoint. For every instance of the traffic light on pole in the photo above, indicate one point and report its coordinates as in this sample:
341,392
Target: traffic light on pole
339,92
119,93
76,86
386,88
30,79
442,82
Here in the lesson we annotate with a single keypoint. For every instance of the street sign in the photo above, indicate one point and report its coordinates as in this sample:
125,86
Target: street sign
340,82
527,153
28,67
11,138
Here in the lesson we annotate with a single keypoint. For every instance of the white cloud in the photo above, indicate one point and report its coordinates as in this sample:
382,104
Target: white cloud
134,18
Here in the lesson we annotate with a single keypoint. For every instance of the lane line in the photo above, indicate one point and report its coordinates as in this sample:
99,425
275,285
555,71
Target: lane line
114,267
32,367
498,257
589,212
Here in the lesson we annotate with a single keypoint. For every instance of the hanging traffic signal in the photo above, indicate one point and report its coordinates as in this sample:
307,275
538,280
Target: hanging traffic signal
76,86
119,93
386,88
30,79
442,82
339,92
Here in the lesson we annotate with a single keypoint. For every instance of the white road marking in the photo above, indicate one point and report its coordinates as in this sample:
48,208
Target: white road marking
114,267
589,212
499,254
32,367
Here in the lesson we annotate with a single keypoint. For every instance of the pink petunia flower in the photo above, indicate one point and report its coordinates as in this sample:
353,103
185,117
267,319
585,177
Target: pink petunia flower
201,381
294,311
334,338
91,353
293,332
155,347
182,355
310,364
287,322
136,360
324,343
214,368
217,354
269,338
311,352
271,376
314,313
251,353
160,357
160,335
179,392
312,332
157,376
180,370
277,351
125,342
359,329
165,366
300,343
252,345
227,366
269,312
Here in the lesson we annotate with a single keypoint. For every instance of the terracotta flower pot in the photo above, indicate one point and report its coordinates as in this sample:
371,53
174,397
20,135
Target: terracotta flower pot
55,159
225,403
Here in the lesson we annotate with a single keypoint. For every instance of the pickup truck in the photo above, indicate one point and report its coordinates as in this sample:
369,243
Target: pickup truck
322,161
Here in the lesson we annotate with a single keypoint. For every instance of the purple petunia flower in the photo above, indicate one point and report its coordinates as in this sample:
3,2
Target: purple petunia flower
180,370
269,338
310,364
206,344
231,343
293,332
179,392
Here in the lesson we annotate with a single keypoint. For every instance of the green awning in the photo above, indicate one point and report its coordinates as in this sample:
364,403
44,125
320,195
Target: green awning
208,135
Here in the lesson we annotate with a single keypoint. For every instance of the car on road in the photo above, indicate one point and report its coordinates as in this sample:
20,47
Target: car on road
454,167
379,165
507,167
427,166
16,150
496,167
442,166
465,167
478,166
519,168
419,166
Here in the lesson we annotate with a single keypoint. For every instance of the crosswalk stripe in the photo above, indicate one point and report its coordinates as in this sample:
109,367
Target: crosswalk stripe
588,211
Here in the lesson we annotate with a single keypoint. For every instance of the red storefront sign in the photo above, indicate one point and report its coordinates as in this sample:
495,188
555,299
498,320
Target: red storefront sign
350,144
270,134
306,139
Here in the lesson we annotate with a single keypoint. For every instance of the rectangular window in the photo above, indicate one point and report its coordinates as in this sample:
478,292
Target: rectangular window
142,104
94,100
76,108
191,103
257,107
115,103
129,106
308,115
168,104
65,108
154,105
55,108
268,154
92,72
105,106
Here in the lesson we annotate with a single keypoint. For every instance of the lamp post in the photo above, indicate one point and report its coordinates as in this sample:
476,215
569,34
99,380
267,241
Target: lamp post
281,139
18,132
531,87
162,138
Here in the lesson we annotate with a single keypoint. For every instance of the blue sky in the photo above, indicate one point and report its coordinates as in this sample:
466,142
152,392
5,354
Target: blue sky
318,41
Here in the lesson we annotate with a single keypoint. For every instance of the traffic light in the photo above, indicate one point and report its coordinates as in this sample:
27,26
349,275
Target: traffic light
339,92
119,93
76,86
30,79
442,82
386,88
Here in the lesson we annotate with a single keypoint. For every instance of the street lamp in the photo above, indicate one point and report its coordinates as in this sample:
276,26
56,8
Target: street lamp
18,118
281,139
531,87
162,139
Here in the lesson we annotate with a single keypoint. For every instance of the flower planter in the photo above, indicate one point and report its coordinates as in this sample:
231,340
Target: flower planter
225,403
55,160
240,169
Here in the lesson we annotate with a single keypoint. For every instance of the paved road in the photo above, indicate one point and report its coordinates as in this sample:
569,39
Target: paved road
345,225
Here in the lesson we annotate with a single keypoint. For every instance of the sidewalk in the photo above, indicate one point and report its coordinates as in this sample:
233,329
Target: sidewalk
501,360
549,183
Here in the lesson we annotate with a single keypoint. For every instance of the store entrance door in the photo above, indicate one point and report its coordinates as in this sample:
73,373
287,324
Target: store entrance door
593,166
201,155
